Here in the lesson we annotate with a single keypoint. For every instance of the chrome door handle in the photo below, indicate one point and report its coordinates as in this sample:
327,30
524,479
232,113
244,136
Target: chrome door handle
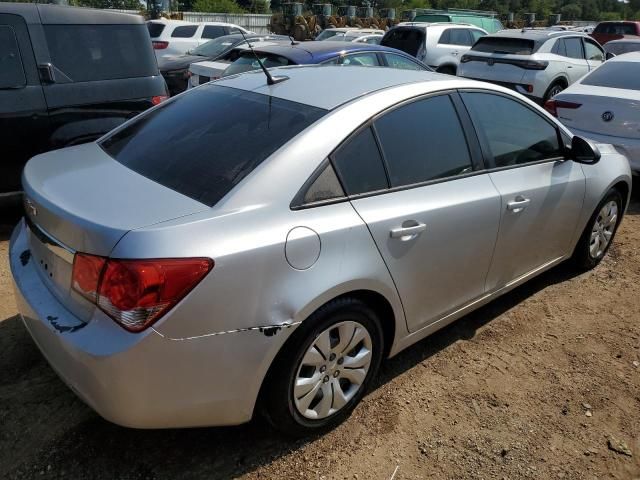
519,204
411,231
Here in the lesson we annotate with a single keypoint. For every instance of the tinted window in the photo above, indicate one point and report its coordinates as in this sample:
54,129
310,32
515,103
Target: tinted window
624,75
559,49
517,46
101,52
513,133
445,37
460,36
186,31
360,60
197,144
592,52
359,164
409,40
622,47
155,29
477,34
616,28
216,47
573,46
325,187
397,61
247,62
213,31
423,141
11,71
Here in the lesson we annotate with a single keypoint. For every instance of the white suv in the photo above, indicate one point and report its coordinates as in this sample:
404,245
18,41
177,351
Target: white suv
439,45
176,37
535,63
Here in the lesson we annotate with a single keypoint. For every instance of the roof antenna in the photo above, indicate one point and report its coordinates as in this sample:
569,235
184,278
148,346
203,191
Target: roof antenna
293,41
270,79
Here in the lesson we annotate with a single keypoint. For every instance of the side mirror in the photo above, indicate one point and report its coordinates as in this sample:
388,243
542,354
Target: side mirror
610,55
583,151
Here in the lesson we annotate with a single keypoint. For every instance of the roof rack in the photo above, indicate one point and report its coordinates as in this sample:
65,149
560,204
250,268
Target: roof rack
484,13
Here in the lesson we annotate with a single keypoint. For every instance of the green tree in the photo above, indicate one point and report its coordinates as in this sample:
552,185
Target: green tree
571,11
217,6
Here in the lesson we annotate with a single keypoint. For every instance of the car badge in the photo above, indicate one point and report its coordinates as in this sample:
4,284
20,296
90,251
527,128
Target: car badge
607,116
31,208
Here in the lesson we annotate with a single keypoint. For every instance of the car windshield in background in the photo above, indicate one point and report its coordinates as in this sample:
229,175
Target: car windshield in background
514,46
327,33
248,62
622,47
408,40
197,144
625,75
155,29
85,53
214,48
616,29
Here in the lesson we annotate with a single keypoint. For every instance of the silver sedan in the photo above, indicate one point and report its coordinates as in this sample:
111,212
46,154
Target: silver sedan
248,247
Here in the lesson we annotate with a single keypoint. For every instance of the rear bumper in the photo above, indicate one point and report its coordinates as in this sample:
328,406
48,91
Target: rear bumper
628,147
517,87
142,380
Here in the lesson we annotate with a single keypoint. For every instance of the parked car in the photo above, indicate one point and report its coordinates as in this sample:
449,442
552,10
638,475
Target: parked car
370,39
68,75
175,70
535,63
328,33
607,31
622,46
184,276
176,37
353,35
439,45
483,19
278,54
604,106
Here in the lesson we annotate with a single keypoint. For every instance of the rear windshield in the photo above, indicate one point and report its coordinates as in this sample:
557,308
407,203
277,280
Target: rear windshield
409,40
616,28
204,143
248,62
622,47
624,75
516,46
155,29
214,48
85,53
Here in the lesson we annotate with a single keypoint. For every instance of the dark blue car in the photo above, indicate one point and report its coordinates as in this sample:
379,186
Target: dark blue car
326,52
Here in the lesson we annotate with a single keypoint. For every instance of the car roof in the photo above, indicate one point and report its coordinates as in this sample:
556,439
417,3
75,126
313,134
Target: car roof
626,57
538,35
336,85
35,13
626,39
313,52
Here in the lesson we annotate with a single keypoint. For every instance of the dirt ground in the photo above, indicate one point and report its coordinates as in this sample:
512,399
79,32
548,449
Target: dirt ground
533,385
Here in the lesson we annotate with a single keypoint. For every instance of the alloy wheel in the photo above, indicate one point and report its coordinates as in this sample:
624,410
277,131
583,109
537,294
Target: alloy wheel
332,370
603,229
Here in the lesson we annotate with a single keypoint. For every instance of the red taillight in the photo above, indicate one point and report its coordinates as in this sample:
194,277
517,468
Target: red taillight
552,106
158,45
136,293
158,99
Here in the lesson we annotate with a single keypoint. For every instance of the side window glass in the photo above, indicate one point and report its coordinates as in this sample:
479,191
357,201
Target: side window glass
460,36
559,49
423,141
325,187
513,133
592,51
361,60
359,164
445,37
476,34
185,31
11,70
396,61
573,47
213,31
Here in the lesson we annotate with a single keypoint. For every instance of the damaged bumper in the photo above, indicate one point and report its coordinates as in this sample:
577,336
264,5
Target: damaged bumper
144,380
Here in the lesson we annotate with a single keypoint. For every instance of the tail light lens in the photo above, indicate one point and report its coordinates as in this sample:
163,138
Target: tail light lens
157,100
552,106
136,293
157,45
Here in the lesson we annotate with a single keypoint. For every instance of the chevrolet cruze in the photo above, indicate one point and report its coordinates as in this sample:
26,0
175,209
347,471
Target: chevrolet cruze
251,247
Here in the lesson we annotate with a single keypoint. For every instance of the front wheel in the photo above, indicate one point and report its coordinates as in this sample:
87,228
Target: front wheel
325,368
599,232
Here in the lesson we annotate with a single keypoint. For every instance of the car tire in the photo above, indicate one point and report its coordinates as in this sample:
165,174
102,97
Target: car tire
448,70
327,370
552,91
592,247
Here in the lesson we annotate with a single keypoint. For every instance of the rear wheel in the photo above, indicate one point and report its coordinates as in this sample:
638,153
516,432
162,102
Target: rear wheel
448,69
553,90
325,368
599,232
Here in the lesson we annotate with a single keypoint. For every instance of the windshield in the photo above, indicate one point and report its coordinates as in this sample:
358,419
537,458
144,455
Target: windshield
248,62
216,47
515,46
204,143
327,33
624,75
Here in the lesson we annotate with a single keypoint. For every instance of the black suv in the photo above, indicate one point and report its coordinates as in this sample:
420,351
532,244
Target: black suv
67,76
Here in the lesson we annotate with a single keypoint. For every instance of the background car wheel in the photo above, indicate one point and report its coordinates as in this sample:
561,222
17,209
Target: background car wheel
324,369
599,232
553,90
448,70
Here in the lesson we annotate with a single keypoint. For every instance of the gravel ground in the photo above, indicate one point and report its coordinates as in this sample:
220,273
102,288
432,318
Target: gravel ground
542,383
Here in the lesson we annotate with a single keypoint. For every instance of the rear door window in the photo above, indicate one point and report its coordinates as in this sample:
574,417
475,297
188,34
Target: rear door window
423,141
573,47
184,31
11,69
460,36
101,52
516,46
592,51
197,144
155,29
213,31
559,48
409,40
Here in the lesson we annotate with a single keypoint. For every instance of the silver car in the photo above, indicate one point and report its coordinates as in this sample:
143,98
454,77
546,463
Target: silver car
269,250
